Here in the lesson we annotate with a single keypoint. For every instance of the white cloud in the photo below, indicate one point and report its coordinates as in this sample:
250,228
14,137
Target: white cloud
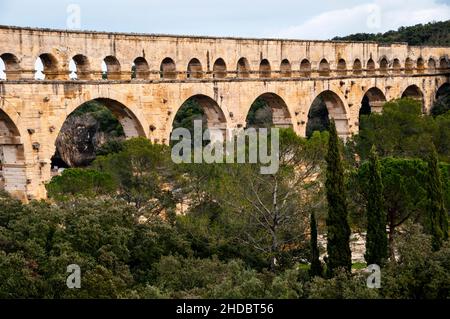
377,16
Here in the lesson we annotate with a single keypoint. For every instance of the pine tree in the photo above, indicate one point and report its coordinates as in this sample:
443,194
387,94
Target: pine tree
376,240
338,230
437,219
316,265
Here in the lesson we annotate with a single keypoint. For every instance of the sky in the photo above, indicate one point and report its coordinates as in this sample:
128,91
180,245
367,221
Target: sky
296,19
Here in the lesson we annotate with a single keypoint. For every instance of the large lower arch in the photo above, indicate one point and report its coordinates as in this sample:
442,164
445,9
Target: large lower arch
415,93
373,101
214,117
269,109
200,107
79,134
329,105
12,159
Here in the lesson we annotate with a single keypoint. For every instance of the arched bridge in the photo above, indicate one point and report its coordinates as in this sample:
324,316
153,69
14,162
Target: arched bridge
144,79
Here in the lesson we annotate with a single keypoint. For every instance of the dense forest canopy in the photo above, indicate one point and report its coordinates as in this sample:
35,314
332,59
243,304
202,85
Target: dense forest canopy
433,33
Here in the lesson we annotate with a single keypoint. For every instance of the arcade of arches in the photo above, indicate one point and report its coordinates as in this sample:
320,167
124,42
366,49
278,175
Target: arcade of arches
143,80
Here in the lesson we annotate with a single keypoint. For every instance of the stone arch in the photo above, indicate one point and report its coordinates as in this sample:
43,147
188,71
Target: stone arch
409,66
272,109
443,63
285,69
335,109
324,68
420,65
265,69
373,101
342,67
212,115
396,66
220,69
194,69
50,67
384,66
12,66
370,67
141,69
414,92
431,65
130,123
112,68
82,67
243,68
13,177
357,67
305,68
168,69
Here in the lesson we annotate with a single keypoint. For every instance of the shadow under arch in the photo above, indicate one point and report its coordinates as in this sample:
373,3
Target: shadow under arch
414,92
327,105
12,159
442,90
269,109
373,101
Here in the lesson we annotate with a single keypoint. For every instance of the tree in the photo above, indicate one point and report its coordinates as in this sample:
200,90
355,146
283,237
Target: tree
269,211
316,265
81,182
376,240
141,170
400,130
436,220
338,229
433,33
404,196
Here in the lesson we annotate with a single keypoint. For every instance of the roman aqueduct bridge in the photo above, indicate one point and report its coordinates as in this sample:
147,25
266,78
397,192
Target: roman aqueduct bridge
225,76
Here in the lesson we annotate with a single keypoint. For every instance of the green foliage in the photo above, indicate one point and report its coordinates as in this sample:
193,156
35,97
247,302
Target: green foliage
433,33
437,216
342,286
338,230
138,170
376,239
419,272
80,182
404,195
402,131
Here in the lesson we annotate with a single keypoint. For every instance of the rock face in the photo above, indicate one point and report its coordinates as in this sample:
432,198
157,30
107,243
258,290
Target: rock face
357,246
79,139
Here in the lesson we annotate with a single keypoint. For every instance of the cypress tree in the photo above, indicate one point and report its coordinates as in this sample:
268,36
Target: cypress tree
338,230
437,219
376,240
316,265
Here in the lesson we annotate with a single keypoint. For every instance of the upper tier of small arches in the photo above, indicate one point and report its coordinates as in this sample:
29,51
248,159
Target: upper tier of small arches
81,68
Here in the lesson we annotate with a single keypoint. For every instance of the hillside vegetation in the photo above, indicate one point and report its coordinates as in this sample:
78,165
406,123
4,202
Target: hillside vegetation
433,33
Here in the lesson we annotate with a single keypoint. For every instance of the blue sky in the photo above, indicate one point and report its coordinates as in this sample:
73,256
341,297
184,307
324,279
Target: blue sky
312,19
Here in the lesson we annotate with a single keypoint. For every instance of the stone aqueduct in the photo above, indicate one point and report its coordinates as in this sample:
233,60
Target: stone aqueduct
225,75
